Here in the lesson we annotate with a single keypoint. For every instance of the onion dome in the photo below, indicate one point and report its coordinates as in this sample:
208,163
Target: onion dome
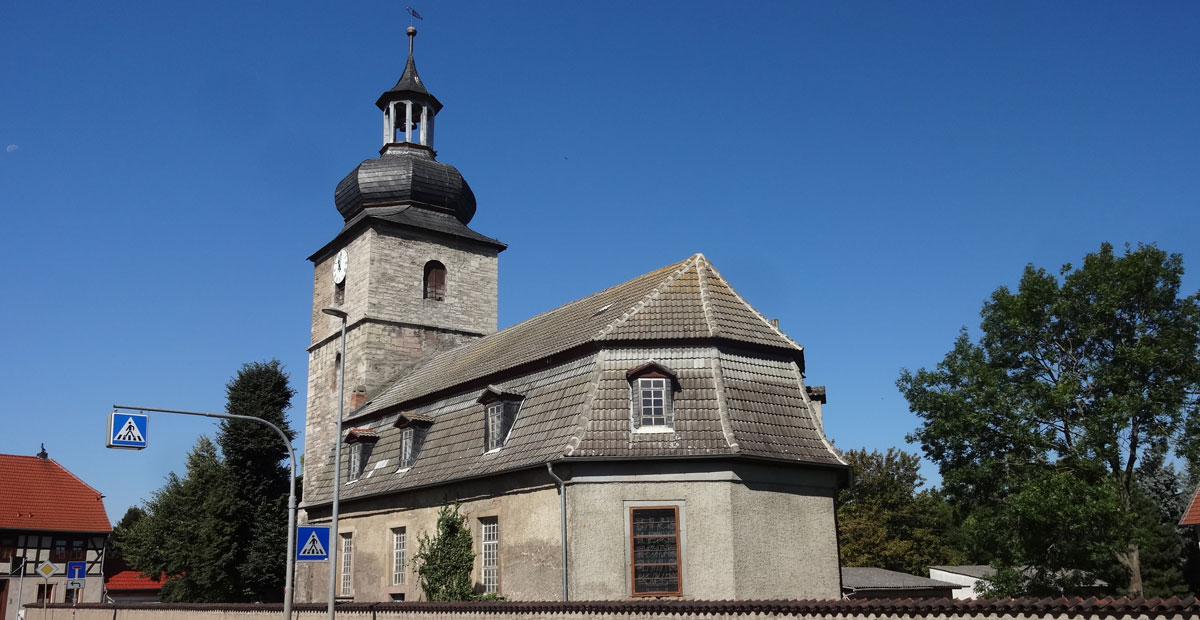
405,174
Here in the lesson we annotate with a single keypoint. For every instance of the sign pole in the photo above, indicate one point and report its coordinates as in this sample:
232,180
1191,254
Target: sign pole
21,588
290,575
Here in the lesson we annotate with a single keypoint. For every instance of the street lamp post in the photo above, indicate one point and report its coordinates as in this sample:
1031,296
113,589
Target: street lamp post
289,578
334,537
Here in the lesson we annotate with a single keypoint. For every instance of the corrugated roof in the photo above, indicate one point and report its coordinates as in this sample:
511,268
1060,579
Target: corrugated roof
39,494
1191,516
871,578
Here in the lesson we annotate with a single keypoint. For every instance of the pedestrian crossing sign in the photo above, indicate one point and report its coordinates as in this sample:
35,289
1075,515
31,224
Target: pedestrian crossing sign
127,430
312,543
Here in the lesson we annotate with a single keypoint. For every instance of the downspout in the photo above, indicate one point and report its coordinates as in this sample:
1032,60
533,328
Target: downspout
562,512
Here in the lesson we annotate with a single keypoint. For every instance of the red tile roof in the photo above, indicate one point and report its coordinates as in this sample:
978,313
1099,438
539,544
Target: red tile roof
132,580
1191,516
40,494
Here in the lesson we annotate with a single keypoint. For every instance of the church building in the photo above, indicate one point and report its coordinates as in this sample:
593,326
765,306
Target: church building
655,439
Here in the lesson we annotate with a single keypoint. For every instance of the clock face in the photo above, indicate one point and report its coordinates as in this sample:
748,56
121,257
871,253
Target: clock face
339,267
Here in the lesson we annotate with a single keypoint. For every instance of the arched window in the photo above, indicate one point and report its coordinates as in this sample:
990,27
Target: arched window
435,281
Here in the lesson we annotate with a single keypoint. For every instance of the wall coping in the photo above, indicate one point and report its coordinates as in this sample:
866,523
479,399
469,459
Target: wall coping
1074,607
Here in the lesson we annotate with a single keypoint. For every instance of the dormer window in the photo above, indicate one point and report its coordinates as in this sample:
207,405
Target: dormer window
652,395
413,428
499,413
406,448
435,281
361,441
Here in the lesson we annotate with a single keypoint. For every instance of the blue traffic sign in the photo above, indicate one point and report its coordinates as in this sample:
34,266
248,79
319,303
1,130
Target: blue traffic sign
76,570
127,430
312,543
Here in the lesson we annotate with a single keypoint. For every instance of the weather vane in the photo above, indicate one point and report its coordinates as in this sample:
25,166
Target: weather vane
415,15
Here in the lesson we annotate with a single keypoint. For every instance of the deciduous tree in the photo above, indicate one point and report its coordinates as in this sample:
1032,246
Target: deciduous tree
1039,426
887,521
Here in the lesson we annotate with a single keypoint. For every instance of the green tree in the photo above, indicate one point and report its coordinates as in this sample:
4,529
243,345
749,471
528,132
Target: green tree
885,520
219,532
1038,428
114,553
253,456
188,533
444,562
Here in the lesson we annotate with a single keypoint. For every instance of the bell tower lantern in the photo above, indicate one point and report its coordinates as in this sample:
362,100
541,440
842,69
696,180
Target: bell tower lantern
408,109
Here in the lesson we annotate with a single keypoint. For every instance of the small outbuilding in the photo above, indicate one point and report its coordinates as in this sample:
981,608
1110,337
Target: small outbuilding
870,582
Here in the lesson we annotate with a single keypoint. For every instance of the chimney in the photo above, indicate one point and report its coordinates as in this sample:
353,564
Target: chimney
358,397
43,455
775,323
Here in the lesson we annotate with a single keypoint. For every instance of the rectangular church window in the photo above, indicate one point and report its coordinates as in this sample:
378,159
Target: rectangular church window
654,551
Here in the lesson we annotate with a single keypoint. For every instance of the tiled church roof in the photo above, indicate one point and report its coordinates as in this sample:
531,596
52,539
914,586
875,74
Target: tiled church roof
687,300
741,392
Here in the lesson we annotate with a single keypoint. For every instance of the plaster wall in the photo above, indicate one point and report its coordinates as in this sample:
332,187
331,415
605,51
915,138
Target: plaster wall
746,533
525,506
91,592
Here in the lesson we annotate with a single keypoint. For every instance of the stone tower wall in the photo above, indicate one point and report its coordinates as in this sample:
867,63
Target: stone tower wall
391,326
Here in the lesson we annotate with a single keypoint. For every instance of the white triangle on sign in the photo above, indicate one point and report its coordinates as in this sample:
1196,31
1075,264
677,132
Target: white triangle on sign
129,432
313,546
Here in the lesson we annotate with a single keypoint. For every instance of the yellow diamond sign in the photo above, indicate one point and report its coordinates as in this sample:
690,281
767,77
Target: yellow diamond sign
45,569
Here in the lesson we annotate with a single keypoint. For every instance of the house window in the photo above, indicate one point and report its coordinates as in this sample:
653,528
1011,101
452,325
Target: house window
406,448
347,564
71,595
59,552
45,593
8,548
78,552
491,554
653,403
356,461
654,551
399,555
495,422
435,281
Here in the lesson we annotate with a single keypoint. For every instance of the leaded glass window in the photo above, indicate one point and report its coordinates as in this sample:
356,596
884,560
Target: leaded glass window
654,551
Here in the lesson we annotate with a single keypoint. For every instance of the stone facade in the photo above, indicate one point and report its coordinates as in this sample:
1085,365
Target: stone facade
390,325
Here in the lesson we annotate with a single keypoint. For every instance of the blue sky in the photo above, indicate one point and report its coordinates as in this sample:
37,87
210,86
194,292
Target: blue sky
866,172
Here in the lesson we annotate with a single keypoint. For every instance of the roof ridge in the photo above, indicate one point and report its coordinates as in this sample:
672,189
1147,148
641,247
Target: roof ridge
99,495
731,439
818,420
583,419
752,309
645,301
705,302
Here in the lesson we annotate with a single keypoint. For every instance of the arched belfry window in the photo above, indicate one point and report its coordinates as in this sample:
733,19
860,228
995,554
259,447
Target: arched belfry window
435,280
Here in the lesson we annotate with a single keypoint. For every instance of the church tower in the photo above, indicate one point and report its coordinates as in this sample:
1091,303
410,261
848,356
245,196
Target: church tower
413,279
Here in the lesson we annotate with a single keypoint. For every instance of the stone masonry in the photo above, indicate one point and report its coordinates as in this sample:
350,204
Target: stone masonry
391,326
